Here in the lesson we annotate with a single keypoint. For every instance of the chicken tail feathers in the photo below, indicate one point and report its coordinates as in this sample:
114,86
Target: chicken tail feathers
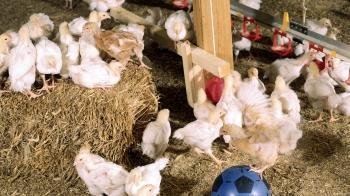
148,149
161,163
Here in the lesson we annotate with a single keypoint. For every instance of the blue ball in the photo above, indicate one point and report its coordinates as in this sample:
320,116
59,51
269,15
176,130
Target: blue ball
238,180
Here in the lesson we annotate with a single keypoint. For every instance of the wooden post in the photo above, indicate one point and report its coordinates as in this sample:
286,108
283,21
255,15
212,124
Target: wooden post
212,24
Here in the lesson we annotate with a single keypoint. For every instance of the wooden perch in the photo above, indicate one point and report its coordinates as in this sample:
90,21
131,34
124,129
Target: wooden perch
194,58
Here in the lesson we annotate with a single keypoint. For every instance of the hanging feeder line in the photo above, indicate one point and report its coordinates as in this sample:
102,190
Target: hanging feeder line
297,30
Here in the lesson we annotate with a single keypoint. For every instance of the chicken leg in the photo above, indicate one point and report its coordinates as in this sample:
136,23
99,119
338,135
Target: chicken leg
46,86
259,170
31,95
332,119
318,119
211,155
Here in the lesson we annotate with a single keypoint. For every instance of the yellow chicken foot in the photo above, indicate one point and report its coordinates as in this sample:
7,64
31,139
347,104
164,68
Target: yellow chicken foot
31,95
332,119
144,65
216,160
318,119
257,170
4,91
198,151
46,86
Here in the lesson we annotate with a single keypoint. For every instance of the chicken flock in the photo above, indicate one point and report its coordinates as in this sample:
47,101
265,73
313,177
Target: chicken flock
261,125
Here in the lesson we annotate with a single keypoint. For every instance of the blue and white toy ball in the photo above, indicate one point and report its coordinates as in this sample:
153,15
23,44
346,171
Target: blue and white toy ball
239,181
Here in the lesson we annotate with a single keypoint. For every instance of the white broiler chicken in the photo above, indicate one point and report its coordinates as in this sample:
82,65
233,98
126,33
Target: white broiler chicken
318,90
145,180
21,64
156,135
87,45
340,70
340,103
48,60
288,69
14,38
104,5
137,30
242,45
179,26
288,98
201,133
231,106
99,175
203,107
77,24
5,41
39,25
69,48
301,48
255,4
96,74
253,79
319,26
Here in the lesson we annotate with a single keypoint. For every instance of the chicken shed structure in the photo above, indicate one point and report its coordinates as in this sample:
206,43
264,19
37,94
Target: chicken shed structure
213,54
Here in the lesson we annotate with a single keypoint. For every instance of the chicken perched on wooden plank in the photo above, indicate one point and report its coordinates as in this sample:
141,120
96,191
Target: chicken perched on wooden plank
77,24
318,90
201,133
120,45
104,5
156,135
288,98
39,25
21,64
145,180
179,26
288,69
99,175
319,26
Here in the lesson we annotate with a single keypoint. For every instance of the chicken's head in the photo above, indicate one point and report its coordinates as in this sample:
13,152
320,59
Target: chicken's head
253,72
5,38
326,22
83,155
163,115
90,28
103,15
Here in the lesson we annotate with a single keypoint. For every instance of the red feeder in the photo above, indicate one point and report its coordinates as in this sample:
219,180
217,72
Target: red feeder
255,34
325,60
181,4
282,50
214,88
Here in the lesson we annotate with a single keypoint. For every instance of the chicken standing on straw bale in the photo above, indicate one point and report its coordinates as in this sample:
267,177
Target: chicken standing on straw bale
201,133
48,61
288,69
145,180
69,48
120,45
77,24
39,25
231,106
288,98
104,5
87,44
21,64
5,41
156,135
318,90
203,107
253,79
96,74
179,26
99,175
319,26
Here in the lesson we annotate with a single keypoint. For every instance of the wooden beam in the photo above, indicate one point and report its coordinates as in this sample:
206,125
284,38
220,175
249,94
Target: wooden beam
212,24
